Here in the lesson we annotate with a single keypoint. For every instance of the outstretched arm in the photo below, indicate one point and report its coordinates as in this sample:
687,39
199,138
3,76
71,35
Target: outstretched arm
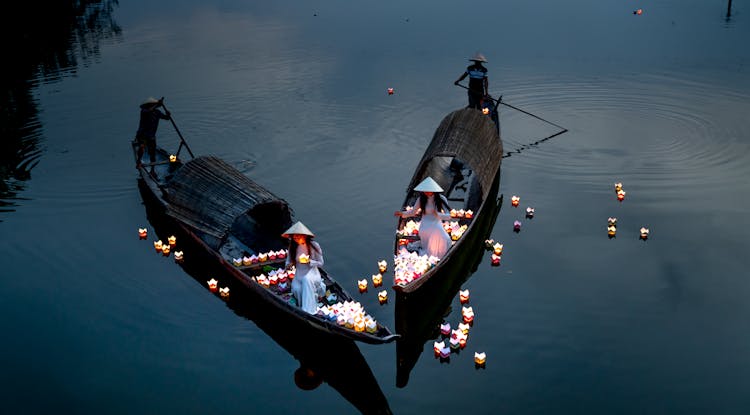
461,78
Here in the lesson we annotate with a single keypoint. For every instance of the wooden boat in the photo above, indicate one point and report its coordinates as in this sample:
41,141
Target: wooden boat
336,360
464,158
231,216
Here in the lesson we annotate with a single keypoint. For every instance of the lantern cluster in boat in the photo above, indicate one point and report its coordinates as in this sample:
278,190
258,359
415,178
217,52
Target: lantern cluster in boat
349,314
409,266
260,258
454,229
278,277
410,228
468,214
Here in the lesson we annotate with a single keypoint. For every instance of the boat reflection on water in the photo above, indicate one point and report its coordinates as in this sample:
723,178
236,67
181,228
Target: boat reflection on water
419,314
323,357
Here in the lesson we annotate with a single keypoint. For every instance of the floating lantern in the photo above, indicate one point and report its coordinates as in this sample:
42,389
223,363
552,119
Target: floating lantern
224,292
172,158
498,249
142,233
291,273
611,231
304,259
390,91
157,245
262,257
237,262
621,195
461,213
362,284
638,11
485,110
383,296
165,250
464,328
462,341
454,343
172,241
495,260
212,284
178,256
445,353
445,329
469,214
377,280
516,226
437,347
382,266
468,314
480,358
489,243
515,200
644,233
529,212
463,296
611,221
618,187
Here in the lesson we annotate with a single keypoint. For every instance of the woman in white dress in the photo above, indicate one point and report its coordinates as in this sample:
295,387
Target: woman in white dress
306,255
435,240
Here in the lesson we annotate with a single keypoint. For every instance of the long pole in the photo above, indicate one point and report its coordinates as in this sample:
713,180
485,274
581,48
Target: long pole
182,139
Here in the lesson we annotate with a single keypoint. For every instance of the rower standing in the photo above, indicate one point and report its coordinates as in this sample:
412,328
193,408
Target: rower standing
478,83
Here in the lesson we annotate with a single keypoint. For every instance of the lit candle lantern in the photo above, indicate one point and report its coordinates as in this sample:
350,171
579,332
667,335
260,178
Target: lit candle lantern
621,195
498,248
445,353
253,259
495,260
172,241
529,212
445,329
383,296
178,256
246,261
212,284
237,262
158,245
644,233
390,91
463,296
611,221
489,243
454,213
304,259
281,254
480,358
461,213
618,187
468,314
516,226
272,255
362,284
165,250
462,341
142,233
377,280
172,158
611,231
224,292
515,200
454,342
469,214
464,328
485,110
438,346
638,11
262,257
382,266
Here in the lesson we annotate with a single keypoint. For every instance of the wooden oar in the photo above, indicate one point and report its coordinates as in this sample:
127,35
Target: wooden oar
182,139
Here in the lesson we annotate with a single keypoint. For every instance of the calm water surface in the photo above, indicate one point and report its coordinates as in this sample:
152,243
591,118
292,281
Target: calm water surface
294,94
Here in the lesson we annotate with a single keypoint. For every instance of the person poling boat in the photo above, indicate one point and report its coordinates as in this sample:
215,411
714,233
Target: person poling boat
434,239
478,82
147,126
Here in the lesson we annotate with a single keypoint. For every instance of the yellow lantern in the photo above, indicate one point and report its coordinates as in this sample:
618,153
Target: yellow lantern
142,233
611,231
485,110
377,280
495,260
612,221
362,284
172,158
304,259
383,296
224,292
618,187
469,214
165,250
515,200
157,245
172,241
382,266
263,257
437,347
212,284
498,248
480,358
454,213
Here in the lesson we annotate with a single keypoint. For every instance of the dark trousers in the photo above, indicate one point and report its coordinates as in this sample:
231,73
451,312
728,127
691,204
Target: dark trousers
475,99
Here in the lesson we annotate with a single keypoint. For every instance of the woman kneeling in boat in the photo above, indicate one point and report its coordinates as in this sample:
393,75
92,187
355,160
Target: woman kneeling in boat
306,255
435,240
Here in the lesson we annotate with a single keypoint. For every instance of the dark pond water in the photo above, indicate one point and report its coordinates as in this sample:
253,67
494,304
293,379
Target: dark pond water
294,94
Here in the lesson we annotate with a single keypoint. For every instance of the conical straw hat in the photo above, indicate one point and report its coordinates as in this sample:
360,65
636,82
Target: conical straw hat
297,229
428,185
478,57
149,101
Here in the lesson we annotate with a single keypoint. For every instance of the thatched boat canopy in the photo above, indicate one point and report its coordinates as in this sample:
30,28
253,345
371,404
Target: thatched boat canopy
466,135
213,197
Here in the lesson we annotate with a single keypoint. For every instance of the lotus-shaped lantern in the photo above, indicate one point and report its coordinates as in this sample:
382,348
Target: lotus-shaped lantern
362,284
172,241
377,280
438,346
463,296
142,233
304,259
469,214
224,292
480,358
515,200
212,284
498,248
179,256
158,245
517,226
165,250
382,266
237,262
621,195
464,327
618,187
611,231
611,221
263,257
383,296
644,233
172,158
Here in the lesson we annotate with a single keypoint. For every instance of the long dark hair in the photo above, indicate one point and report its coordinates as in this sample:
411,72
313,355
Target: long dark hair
439,202
293,248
